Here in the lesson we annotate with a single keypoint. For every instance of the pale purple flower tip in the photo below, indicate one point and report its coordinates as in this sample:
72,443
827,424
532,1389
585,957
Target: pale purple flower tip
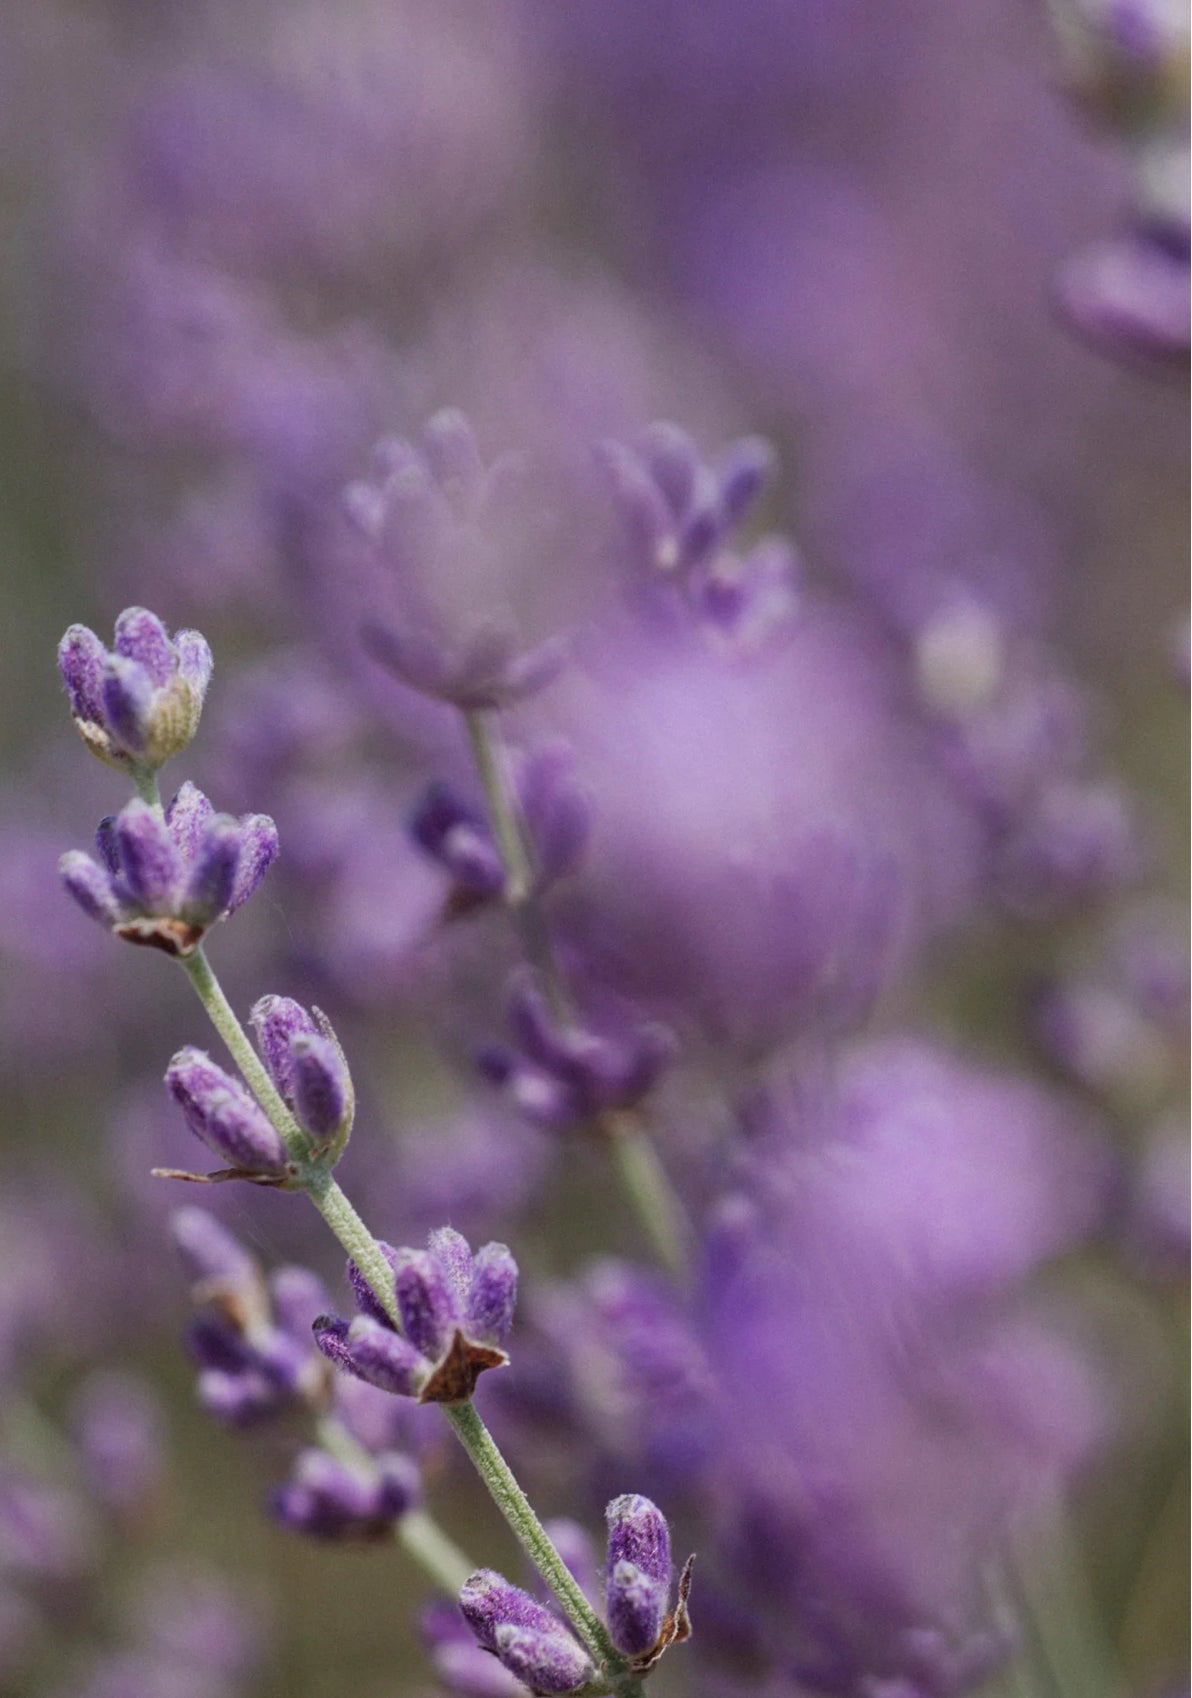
209,1252
219,1110
128,696
148,861
488,1601
492,1295
188,816
82,660
195,661
322,1089
141,637
638,1534
258,850
90,886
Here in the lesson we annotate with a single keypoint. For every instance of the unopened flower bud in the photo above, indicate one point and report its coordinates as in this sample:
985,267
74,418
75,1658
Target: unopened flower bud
138,704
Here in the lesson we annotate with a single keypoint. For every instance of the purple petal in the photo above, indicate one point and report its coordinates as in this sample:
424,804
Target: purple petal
636,1607
362,1291
385,1359
548,1661
276,1021
450,1249
141,637
195,662
128,693
149,864
638,1534
321,1085
187,817
209,1252
492,1295
82,661
213,871
258,850
425,1301
91,887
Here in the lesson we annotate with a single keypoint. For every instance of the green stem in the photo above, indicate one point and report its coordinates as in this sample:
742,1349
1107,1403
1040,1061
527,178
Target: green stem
421,1537
336,1209
533,1537
145,779
642,1176
644,1180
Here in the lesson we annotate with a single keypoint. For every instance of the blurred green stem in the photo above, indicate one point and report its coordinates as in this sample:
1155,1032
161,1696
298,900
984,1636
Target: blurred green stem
643,1179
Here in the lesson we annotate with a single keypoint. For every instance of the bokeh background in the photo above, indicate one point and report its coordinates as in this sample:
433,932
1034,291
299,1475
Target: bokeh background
933,253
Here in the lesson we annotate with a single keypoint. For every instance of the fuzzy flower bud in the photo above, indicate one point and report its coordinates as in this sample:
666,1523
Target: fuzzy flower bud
139,703
526,1637
328,1499
456,1310
220,1111
164,882
307,1064
638,1574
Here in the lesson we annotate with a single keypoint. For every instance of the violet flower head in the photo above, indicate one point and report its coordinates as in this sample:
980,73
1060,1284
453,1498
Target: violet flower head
326,1498
165,881
638,1575
138,703
228,1118
450,529
562,1073
527,1638
456,834
456,1310
677,509
251,1339
307,1064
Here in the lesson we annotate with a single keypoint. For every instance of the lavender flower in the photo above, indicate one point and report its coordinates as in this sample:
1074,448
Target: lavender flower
118,1432
528,1640
455,1308
564,1073
447,527
251,1339
164,881
138,703
677,509
221,1112
638,1575
326,1498
307,1064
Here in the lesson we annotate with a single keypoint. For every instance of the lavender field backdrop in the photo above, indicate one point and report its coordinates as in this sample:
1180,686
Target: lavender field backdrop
676,814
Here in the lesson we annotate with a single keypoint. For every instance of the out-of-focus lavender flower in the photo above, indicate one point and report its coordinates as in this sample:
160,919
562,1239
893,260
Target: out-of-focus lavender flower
565,1072
457,834
252,1338
797,846
138,703
192,1617
456,1310
1131,295
526,1637
881,1377
307,1064
327,1498
1156,1226
117,1429
47,1534
448,529
1080,840
164,882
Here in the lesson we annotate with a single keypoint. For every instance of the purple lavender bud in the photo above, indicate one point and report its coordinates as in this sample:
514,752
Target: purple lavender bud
548,1661
82,660
149,865
277,1021
322,1088
331,1336
636,1608
426,1302
141,637
1130,297
558,813
450,1250
381,1356
188,816
212,877
209,1252
644,512
348,1494
258,850
91,887
488,1602
492,1295
638,1534
455,835
236,1399
195,662
128,697
399,1484
744,471
362,1291
219,1110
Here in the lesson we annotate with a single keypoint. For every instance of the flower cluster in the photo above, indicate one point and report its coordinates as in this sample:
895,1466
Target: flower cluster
531,1641
164,880
456,1310
137,704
